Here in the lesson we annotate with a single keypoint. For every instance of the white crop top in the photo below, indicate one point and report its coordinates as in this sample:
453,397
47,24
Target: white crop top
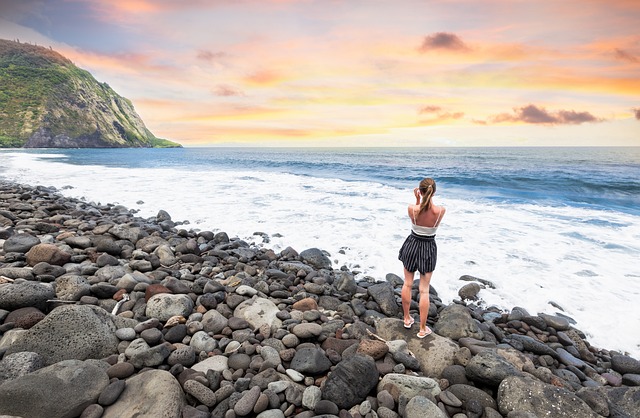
424,230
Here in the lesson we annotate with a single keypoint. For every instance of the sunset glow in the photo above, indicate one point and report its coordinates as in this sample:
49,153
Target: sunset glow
357,73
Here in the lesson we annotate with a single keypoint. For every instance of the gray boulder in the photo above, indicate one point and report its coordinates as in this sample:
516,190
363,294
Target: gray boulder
351,381
70,332
384,296
488,367
316,258
455,322
20,243
434,353
165,305
154,393
62,390
526,394
25,294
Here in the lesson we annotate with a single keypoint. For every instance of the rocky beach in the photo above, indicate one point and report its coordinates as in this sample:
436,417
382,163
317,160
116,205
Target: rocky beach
107,314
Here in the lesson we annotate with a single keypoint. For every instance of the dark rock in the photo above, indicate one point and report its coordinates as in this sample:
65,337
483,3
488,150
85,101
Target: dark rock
316,258
25,294
625,364
310,361
20,243
384,295
111,393
351,381
469,291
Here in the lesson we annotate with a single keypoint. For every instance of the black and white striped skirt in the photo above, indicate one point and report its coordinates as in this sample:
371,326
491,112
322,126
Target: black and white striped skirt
419,253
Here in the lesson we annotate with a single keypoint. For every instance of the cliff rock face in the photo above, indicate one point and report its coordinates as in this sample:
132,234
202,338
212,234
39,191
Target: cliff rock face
48,102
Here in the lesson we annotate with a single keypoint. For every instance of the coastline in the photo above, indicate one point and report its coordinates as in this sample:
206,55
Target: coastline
322,324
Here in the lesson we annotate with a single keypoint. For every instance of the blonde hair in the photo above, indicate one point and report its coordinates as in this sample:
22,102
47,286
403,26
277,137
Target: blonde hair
427,189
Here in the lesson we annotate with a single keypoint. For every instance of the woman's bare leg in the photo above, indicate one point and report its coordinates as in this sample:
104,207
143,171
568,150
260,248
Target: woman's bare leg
406,294
425,279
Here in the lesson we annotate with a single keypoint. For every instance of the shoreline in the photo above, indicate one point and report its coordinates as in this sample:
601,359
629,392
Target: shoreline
211,291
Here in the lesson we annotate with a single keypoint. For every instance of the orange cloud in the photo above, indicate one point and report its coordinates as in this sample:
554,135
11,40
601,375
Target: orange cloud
264,78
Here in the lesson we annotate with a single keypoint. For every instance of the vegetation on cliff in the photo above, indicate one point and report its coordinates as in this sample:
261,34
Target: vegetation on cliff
48,102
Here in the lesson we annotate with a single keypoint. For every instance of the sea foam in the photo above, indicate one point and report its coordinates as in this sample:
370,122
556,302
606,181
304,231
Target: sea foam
540,258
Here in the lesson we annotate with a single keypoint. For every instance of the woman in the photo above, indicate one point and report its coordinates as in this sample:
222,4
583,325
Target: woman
419,251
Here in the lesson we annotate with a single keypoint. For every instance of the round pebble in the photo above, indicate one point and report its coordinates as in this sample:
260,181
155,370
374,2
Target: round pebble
121,370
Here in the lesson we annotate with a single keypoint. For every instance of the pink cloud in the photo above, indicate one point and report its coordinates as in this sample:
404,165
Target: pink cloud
443,40
538,115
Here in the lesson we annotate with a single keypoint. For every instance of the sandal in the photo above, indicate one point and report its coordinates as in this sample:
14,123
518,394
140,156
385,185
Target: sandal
424,333
408,325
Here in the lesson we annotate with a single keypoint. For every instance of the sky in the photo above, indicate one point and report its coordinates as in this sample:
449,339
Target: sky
357,72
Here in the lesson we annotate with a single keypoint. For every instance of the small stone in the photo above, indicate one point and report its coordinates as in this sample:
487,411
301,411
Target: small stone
306,304
200,392
121,370
374,348
245,405
307,330
450,399
325,407
111,393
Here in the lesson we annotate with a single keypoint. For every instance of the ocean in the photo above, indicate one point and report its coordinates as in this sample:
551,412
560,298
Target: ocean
556,230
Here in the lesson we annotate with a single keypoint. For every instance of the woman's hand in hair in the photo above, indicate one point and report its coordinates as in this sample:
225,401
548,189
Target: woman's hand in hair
416,193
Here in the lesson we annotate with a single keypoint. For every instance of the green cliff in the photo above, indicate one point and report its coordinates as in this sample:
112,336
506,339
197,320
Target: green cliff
48,102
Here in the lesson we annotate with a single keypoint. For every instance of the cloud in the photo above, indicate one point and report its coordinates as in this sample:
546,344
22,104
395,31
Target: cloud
437,115
636,111
623,55
429,109
539,115
210,56
17,10
264,78
443,40
225,90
